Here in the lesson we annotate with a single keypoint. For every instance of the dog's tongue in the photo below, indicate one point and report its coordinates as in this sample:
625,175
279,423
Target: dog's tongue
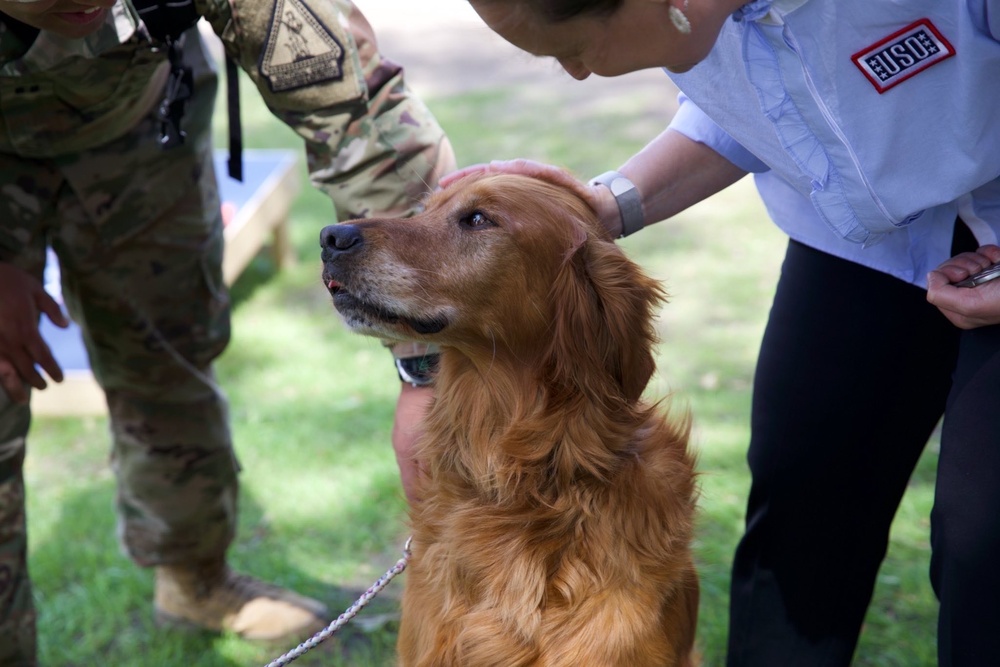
333,284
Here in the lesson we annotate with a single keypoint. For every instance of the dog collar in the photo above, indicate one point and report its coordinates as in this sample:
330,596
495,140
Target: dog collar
418,371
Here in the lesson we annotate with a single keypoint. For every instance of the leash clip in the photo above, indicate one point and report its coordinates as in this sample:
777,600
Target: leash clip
179,88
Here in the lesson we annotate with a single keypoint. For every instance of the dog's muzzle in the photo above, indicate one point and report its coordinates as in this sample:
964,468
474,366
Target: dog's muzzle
342,247
338,242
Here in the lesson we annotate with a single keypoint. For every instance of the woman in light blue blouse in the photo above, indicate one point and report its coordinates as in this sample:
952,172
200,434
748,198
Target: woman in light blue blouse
873,133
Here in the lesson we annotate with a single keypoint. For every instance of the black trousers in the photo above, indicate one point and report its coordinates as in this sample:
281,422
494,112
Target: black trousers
855,371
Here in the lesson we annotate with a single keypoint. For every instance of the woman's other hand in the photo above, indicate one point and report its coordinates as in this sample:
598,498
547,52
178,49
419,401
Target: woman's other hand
966,307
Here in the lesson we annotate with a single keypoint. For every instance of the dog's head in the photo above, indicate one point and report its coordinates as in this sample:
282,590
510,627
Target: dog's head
504,268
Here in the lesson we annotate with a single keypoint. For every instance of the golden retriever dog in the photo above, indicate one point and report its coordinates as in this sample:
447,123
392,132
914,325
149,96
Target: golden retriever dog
556,506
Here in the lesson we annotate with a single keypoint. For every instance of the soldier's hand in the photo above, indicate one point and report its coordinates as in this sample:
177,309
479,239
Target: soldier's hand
22,348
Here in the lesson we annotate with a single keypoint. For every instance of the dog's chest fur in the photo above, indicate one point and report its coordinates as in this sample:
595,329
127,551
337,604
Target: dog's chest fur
537,527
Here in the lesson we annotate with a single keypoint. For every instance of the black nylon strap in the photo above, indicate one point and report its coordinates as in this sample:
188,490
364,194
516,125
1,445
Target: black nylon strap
235,130
166,20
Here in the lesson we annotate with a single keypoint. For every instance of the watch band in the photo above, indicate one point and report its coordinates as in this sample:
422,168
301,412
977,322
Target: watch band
626,196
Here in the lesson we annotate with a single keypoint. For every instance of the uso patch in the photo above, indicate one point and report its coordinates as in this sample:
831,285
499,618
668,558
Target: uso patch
902,55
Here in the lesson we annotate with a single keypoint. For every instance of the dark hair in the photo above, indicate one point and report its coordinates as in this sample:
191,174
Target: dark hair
563,10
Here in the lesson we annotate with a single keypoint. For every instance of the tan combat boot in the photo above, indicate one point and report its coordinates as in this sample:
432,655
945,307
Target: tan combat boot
213,597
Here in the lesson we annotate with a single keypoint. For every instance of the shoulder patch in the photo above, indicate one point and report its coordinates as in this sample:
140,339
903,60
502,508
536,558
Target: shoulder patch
902,55
300,51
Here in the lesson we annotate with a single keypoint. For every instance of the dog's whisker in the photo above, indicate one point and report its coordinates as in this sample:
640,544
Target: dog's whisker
420,176
493,359
417,269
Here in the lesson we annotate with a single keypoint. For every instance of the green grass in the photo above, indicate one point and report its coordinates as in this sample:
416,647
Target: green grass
312,409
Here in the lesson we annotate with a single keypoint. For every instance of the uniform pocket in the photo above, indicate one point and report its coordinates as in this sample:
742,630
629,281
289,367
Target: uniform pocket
82,103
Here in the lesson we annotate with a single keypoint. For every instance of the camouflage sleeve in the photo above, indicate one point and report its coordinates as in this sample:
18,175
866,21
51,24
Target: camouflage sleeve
372,145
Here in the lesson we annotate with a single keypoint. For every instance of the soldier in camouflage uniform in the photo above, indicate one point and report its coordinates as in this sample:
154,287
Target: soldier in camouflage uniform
138,233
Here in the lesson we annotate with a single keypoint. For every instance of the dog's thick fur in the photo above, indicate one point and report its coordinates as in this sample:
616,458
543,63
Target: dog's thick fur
556,507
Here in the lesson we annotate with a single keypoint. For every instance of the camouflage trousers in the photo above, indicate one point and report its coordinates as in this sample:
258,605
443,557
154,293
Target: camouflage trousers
138,233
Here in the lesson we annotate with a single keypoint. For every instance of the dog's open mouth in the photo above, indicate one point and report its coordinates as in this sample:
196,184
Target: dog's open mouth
363,313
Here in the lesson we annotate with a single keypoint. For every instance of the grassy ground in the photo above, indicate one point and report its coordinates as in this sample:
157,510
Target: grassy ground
312,406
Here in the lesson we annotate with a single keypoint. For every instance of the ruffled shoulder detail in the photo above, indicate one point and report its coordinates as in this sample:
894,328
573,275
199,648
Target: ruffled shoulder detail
752,10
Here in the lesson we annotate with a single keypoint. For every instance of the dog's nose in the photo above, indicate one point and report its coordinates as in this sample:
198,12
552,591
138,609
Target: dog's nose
339,238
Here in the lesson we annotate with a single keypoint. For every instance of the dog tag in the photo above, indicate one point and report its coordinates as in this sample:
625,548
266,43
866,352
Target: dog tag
984,276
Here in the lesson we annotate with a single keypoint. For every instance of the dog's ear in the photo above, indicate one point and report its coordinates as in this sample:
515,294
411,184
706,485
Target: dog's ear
603,306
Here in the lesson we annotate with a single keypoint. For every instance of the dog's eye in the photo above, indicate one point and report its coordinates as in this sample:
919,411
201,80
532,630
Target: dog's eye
476,220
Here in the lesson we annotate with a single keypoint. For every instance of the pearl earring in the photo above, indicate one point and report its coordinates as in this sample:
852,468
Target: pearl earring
679,20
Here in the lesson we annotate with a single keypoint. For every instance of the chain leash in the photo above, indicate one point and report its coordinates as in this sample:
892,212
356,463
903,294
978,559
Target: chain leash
348,614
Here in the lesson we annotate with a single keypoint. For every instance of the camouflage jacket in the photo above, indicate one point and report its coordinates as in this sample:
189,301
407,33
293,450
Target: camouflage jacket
371,144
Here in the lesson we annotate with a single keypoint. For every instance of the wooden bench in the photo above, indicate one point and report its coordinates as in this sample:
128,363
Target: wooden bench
256,211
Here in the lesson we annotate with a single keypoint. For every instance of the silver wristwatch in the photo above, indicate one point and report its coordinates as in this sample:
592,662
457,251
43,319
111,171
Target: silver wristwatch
626,196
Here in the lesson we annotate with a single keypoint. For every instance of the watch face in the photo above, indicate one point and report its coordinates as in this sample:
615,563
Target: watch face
620,186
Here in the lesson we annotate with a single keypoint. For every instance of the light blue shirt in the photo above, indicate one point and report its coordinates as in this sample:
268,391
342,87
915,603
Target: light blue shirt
870,124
